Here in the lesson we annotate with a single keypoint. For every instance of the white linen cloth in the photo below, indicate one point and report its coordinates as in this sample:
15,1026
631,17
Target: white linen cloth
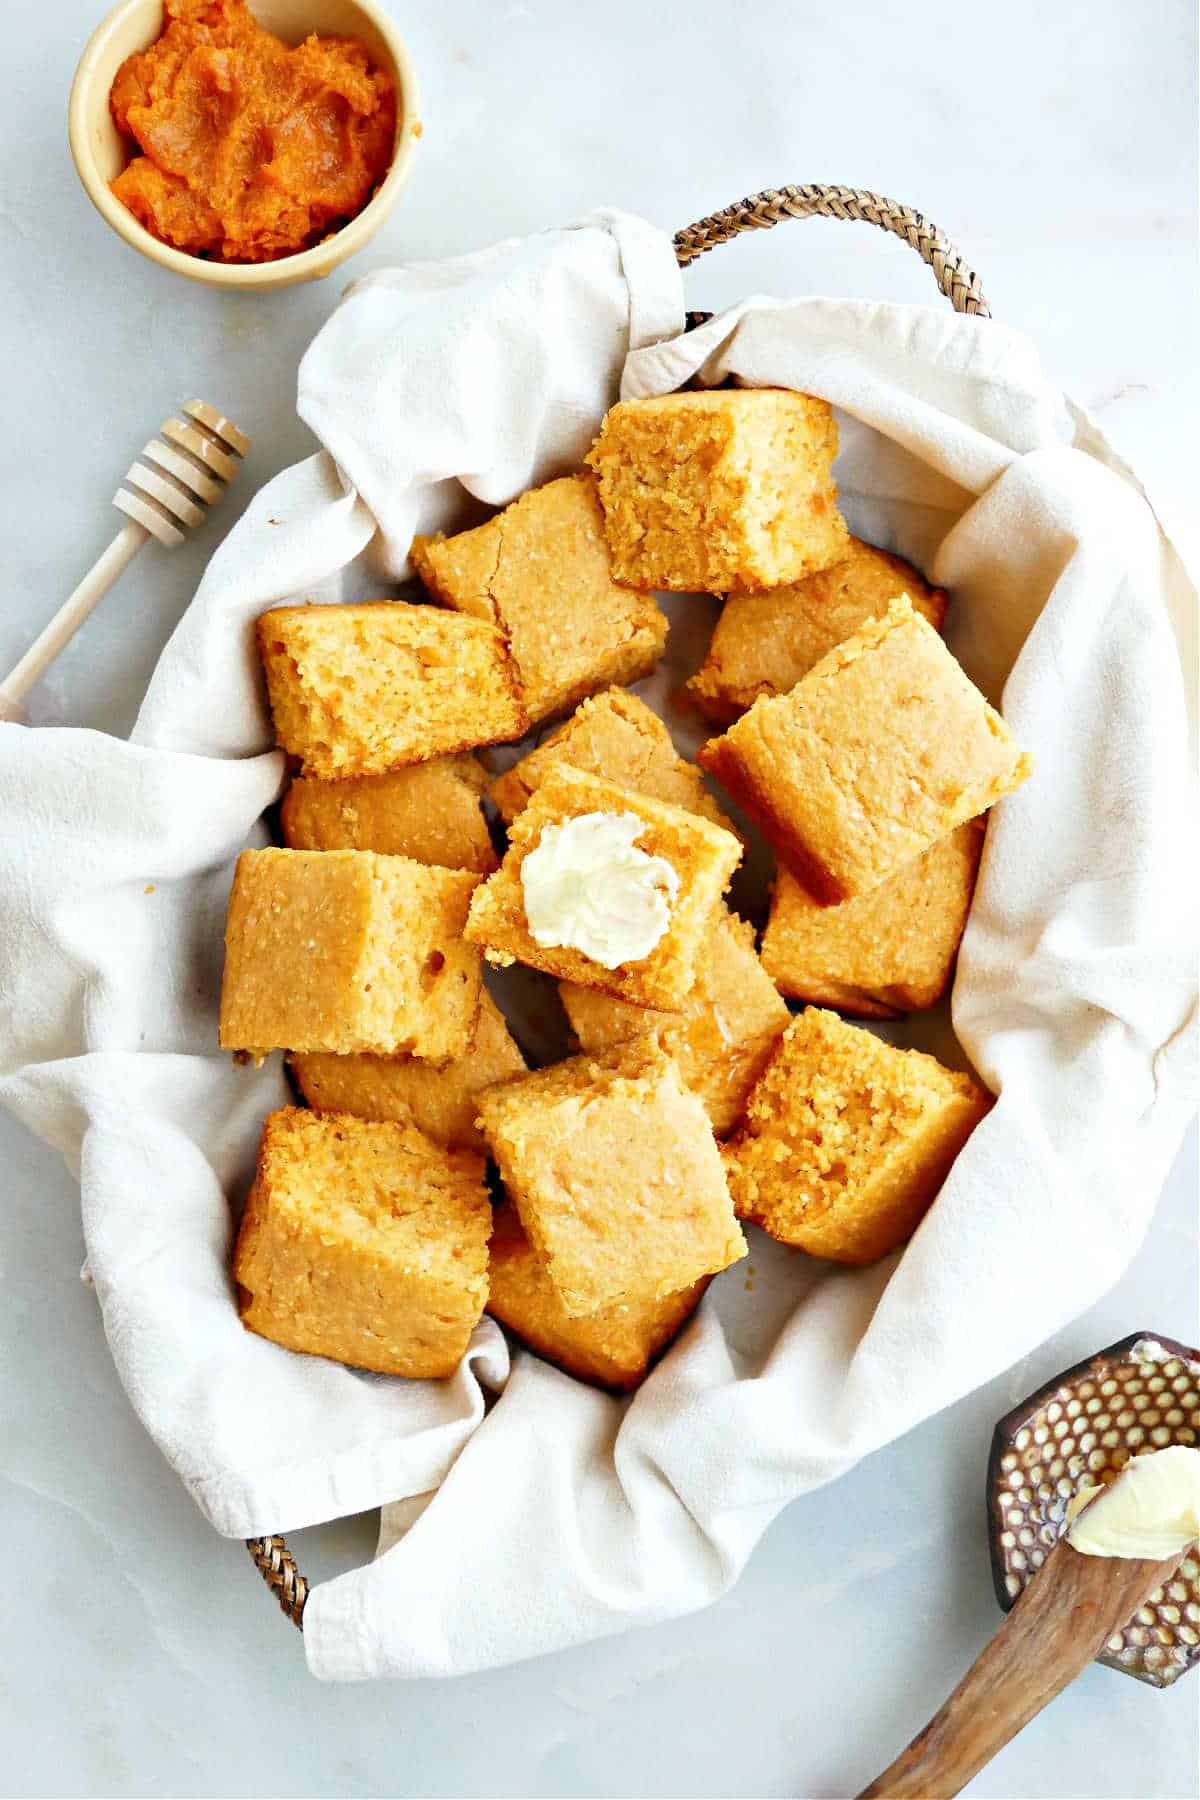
561,1513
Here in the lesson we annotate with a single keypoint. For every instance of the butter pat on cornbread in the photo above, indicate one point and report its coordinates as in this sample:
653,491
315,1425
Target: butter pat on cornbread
702,856
721,1039
439,1098
364,1242
539,571
765,642
612,1347
430,812
881,749
846,1140
617,736
890,951
358,690
348,951
615,1174
720,490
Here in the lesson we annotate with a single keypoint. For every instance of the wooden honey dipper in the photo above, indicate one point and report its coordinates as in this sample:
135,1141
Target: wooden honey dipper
164,495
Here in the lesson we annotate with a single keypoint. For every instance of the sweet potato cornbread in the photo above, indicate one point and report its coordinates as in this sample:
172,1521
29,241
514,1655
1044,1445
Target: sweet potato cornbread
348,951
612,1347
250,149
720,490
615,1174
539,572
846,1140
702,856
696,1098
439,1098
882,748
617,736
763,643
430,811
887,952
359,690
722,1037
364,1242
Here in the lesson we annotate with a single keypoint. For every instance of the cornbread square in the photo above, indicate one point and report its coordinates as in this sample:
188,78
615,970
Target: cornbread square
616,1176
615,735
765,642
438,1098
539,572
612,1347
846,1140
430,812
887,952
346,950
720,490
702,855
722,1038
880,750
358,690
364,1242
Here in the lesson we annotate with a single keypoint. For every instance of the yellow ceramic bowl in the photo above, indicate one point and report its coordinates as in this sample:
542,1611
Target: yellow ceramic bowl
100,153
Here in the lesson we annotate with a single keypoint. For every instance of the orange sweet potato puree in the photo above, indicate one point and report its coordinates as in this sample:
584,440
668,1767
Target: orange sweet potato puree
251,150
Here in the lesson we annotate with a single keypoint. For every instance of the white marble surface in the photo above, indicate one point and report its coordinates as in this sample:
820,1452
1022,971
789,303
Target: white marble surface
139,1653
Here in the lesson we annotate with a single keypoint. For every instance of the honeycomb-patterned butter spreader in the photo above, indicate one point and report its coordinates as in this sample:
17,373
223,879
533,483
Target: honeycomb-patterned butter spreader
1080,1430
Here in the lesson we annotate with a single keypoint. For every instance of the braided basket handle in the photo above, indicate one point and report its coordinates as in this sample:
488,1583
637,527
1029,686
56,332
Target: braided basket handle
275,1563
961,286
953,274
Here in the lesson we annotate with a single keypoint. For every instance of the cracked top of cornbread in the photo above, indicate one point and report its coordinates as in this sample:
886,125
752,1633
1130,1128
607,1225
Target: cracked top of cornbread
539,571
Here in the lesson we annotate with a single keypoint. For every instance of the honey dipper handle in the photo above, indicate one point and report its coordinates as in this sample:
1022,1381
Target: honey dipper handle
67,620
1056,1628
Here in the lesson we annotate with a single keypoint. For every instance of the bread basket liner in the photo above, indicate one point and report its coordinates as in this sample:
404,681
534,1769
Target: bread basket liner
528,1511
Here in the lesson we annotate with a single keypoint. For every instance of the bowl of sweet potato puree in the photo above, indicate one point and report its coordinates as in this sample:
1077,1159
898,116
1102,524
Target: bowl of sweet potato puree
245,143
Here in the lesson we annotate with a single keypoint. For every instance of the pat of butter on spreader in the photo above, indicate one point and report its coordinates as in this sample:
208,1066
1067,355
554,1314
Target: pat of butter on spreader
1151,1511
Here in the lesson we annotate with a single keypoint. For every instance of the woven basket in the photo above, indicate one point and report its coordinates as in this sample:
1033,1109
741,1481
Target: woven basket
961,286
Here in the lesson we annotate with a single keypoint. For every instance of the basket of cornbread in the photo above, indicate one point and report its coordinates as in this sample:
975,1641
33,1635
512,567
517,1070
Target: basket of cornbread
715,1075
587,1158
858,747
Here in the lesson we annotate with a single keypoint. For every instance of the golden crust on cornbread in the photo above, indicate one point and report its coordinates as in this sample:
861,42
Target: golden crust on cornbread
365,1242
723,1034
616,1176
358,690
887,952
615,735
846,1140
439,1098
430,811
348,951
765,642
612,1347
719,490
881,749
